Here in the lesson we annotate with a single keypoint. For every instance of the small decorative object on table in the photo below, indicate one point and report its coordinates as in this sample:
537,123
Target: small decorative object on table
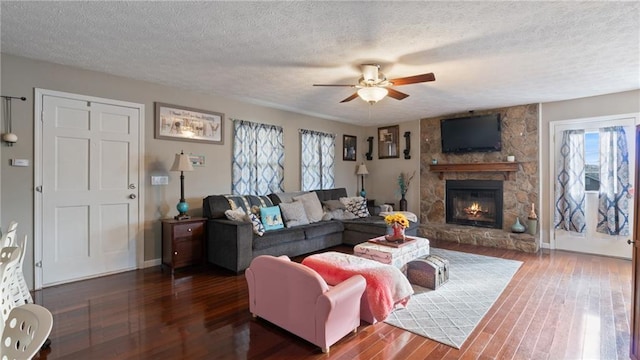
517,227
403,182
398,223
532,221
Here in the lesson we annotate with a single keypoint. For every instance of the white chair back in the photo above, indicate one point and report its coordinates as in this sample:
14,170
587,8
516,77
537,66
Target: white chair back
26,329
9,237
9,258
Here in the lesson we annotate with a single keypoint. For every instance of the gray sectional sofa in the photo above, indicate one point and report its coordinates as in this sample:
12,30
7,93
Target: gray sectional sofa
233,244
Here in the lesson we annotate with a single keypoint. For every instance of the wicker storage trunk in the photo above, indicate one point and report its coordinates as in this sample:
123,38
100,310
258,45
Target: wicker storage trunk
430,272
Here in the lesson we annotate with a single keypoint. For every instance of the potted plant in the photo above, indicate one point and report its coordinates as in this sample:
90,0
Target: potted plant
403,182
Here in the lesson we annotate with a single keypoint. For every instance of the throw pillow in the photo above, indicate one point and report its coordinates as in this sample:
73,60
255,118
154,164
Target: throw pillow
333,205
358,206
271,218
338,214
312,206
237,214
258,228
294,214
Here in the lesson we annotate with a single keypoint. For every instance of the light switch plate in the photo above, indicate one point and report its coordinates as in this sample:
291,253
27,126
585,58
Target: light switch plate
159,180
19,162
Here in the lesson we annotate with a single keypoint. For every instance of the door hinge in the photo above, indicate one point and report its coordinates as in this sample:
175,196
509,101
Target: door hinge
39,264
39,188
41,116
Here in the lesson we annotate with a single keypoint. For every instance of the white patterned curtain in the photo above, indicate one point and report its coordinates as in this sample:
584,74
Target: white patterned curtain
258,158
317,160
569,189
613,197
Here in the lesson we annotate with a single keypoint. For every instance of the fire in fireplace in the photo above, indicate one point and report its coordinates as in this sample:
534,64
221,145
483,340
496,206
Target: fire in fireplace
474,202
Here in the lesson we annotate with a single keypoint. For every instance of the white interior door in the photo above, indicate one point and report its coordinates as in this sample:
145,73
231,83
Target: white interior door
90,199
591,241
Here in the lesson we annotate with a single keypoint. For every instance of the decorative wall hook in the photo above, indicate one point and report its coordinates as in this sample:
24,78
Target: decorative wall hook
370,153
8,136
407,149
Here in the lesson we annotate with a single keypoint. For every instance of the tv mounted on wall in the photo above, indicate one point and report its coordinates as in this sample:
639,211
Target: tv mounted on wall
471,134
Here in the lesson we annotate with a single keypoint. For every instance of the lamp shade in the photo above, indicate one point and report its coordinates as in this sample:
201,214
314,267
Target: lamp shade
362,170
182,163
372,94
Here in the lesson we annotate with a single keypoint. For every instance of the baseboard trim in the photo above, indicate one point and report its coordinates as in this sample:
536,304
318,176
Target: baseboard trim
544,245
151,263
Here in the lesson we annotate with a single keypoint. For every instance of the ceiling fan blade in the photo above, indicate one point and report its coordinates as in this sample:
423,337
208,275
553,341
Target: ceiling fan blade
333,85
396,94
413,79
355,95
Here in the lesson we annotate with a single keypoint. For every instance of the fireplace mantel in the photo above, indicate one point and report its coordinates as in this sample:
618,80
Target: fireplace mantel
505,167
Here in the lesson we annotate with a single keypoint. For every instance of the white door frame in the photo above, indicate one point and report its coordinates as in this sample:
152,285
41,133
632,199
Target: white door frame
37,168
552,157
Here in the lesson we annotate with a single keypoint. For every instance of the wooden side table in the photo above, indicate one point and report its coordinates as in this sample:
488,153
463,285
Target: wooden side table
182,242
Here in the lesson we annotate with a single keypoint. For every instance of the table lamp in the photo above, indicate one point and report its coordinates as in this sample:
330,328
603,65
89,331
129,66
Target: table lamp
182,164
362,171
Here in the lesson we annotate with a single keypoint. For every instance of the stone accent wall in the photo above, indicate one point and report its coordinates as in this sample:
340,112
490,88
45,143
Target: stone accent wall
519,138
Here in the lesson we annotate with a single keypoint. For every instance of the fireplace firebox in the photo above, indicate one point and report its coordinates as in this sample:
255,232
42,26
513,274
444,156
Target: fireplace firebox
474,202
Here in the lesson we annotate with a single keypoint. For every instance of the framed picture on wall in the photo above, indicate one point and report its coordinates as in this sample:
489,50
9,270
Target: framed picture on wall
388,142
175,122
349,147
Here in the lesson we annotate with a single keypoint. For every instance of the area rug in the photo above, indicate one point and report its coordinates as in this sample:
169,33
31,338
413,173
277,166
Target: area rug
450,313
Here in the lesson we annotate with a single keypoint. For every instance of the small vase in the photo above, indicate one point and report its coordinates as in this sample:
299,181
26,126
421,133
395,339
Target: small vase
517,227
397,233
403,203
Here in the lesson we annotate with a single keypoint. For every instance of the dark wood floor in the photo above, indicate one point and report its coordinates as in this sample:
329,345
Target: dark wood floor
559,305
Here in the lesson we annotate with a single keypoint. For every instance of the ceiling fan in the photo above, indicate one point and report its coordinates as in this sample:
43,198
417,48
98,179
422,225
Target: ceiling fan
373,86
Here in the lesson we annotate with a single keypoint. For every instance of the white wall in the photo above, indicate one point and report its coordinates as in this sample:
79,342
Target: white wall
382,182
603,105
21,75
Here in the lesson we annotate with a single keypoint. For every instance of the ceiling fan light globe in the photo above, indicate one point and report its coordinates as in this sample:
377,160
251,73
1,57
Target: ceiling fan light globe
372,94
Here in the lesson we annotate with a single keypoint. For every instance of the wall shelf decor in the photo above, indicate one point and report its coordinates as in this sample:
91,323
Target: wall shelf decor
407,149
175,122
369,155
505,167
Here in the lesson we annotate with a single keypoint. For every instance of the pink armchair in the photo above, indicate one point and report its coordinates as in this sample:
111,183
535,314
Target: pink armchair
298,300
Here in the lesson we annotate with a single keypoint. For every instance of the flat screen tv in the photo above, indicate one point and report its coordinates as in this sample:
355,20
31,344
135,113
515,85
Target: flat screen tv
471,134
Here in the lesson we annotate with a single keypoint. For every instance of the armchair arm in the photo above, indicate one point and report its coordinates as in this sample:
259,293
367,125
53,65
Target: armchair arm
229,244
337,305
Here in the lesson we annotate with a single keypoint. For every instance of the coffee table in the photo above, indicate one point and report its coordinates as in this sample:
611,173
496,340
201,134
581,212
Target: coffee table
396,256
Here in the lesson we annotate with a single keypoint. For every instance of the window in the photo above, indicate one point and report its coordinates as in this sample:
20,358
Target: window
591,161
258,158
317,160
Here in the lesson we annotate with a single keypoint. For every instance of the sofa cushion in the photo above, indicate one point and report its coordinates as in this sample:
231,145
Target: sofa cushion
277,237
312,206
258,228
214,206
370,225
286,197
338,214
236,214
331,205
271,218
357,205
330,194
293,214
322,228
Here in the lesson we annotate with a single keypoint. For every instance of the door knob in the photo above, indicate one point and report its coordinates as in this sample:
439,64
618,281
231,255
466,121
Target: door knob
132,196
629,241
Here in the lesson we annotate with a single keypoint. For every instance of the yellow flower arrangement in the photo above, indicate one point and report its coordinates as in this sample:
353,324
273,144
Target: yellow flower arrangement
396,218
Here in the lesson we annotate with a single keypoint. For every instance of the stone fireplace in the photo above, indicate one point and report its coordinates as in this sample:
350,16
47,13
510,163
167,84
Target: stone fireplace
474,202
520,183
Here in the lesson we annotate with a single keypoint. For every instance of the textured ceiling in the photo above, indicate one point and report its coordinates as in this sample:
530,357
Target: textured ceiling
484,54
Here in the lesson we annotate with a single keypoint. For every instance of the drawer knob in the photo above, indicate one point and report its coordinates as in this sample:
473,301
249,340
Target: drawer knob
189,229
175,253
